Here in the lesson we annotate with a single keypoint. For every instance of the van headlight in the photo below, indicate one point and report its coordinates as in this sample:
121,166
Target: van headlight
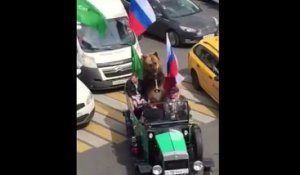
88,61
89,99
156,169
198,165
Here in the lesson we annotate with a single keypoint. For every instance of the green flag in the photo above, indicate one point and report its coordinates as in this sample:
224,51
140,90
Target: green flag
89,15
137,65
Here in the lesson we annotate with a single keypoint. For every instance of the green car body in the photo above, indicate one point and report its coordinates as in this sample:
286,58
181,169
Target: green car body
166,147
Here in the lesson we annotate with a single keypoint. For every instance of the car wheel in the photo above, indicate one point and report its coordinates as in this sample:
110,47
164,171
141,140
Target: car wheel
197,142
174,39
195,80
208,171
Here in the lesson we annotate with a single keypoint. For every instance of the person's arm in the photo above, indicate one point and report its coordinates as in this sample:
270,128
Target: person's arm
130,90
141,89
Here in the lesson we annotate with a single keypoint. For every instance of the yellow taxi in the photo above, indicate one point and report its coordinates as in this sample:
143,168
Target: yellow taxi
203,64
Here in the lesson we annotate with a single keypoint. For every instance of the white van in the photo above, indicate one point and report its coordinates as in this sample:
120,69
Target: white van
105,62
85,104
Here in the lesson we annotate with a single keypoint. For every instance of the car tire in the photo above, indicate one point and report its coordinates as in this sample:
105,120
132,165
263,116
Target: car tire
208,171
197,143
174,38
195,80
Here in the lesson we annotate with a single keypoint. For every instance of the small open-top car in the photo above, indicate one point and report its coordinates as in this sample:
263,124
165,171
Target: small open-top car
169,145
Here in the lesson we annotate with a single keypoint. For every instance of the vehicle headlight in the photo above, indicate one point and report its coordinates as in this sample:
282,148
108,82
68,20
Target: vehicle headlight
157,169
89,99
216,21
187,29
185,132
88,61
198,165
150,135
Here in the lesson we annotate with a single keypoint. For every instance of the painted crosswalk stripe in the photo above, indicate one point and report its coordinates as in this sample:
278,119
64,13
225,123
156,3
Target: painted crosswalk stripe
90,138
194,106
111,102
188,87
117,96
201,117
105,133
199,98
82,147
203,109
109,112
110,123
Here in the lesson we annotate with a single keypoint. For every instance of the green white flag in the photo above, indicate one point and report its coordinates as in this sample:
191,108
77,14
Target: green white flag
137,65
89,15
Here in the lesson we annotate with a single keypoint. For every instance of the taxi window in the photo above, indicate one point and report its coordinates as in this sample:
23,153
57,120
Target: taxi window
206,57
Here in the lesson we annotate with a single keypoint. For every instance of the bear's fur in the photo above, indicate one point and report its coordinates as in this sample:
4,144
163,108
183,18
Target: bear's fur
152,69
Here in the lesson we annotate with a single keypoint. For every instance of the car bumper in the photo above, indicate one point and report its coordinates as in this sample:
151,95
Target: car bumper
86,118
92,79
192,38
85,114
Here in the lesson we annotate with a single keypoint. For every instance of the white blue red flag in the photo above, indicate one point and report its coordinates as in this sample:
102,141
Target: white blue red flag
172,63
141,16
173,76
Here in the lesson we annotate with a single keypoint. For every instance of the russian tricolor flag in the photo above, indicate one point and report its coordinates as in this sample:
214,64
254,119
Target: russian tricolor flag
173,76
141,16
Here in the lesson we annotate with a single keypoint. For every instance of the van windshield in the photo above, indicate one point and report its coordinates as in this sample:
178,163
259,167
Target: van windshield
118,35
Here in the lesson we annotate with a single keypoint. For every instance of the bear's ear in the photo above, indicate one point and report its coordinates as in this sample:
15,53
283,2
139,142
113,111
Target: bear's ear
156,54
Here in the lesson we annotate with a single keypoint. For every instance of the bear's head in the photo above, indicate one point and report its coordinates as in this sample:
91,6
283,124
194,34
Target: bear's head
151,63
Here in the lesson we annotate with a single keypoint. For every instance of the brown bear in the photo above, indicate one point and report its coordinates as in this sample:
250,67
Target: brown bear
153,77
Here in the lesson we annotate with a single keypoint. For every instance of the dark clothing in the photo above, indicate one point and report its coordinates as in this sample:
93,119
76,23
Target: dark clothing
131,90
180,108
152,114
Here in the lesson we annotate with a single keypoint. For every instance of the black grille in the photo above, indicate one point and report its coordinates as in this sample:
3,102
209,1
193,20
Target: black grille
79,106
119,73
114,63
176,164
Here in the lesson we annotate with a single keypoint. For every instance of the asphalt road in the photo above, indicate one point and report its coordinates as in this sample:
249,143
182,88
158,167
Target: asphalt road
112,158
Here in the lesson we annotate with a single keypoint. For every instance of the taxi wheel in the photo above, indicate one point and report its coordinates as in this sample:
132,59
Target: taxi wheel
195,80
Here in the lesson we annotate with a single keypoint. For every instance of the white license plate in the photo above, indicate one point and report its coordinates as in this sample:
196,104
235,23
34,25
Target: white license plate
117,82
207,36
179,171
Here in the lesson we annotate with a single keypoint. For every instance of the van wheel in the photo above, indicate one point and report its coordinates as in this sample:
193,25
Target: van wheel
195,80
